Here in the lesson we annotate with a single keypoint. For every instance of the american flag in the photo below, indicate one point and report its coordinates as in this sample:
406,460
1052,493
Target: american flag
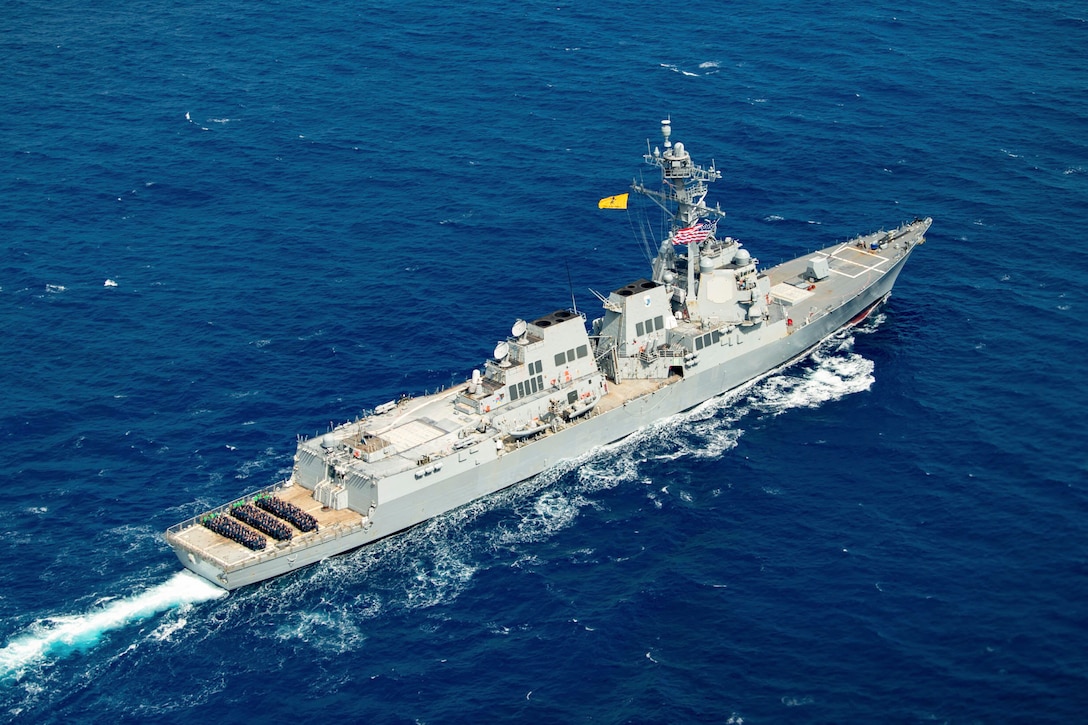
695,234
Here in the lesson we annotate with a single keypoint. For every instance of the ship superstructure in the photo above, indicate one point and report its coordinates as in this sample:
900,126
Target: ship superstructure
705,321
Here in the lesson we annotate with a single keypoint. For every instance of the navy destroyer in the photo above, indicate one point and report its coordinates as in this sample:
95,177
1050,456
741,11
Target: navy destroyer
706,320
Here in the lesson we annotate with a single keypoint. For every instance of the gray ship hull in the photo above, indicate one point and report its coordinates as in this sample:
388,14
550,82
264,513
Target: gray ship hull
496,472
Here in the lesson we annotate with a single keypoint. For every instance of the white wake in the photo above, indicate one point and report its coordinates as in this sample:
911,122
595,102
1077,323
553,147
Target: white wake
62,635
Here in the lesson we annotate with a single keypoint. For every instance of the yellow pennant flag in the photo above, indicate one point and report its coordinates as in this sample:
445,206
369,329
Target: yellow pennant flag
619,201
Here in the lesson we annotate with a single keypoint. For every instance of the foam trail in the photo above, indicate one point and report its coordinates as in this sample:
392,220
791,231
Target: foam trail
65,634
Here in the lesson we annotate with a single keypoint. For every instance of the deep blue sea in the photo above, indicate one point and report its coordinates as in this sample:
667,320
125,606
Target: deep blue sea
304,210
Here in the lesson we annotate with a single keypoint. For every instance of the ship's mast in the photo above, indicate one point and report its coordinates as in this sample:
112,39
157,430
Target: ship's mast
684,184
683,190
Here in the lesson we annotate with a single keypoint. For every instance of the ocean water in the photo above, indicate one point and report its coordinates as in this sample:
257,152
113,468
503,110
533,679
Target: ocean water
304,210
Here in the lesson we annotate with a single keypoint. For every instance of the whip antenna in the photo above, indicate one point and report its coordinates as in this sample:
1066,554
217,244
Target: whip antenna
573,302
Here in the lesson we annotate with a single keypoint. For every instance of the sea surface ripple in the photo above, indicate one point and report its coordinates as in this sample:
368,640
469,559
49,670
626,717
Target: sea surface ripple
228,224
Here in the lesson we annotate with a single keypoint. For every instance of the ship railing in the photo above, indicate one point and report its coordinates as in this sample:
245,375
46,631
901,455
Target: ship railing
323,535
651,354
330,533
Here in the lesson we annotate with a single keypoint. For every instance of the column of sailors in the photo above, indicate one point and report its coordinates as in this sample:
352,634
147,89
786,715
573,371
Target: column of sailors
250,514
228,527
287,511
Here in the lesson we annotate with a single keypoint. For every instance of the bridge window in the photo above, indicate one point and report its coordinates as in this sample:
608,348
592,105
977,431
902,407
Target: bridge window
560,359
582,351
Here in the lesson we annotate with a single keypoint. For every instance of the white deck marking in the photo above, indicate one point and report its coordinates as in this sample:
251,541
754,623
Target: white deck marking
412,434
864,268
